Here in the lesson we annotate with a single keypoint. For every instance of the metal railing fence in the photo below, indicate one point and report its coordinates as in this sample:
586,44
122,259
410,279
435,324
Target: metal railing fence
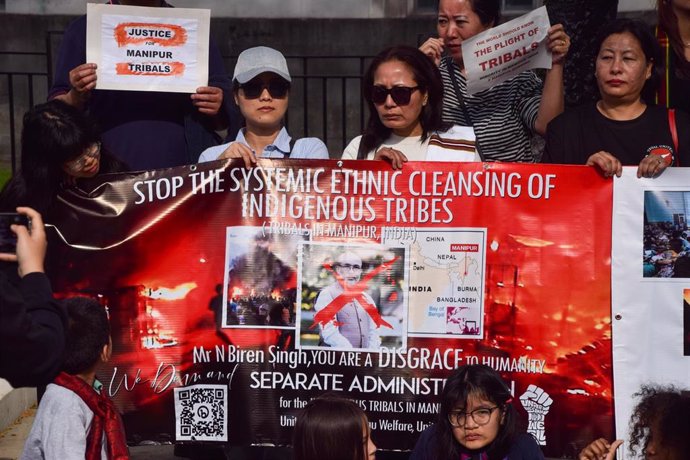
325,98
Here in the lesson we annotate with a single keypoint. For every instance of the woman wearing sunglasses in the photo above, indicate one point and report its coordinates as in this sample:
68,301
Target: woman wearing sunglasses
261,87
60,146
476,421
404,93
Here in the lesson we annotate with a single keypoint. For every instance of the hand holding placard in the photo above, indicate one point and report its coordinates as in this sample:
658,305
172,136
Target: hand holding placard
82,79
558,43
208,100
433,48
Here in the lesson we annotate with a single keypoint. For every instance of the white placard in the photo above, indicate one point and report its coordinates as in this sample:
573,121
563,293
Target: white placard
499,54
148,49
650,333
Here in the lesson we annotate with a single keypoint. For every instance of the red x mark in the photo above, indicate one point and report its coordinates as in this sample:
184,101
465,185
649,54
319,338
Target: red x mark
352,293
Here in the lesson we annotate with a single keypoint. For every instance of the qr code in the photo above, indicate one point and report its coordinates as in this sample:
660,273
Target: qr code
201,413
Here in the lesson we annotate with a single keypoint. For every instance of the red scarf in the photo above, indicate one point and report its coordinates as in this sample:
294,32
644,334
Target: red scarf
105,419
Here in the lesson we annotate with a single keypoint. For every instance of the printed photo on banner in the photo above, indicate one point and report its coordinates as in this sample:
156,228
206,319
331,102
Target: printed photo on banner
499,54
446,283
148,49
649,318
666,244
352,296
260,278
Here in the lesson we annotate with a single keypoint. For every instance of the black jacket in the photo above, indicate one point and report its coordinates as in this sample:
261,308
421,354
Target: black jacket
32,329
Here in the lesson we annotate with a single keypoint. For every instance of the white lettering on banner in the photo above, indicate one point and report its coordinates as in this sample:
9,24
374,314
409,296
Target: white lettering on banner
296,381
420,358
280,179
395,425
396,385
157,189
521,364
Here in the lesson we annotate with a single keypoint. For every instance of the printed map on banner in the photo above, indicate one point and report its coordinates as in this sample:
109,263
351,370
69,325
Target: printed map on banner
446,283
148,49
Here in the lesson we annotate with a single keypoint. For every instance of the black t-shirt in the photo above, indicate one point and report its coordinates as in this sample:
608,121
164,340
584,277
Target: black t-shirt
678,88
577,133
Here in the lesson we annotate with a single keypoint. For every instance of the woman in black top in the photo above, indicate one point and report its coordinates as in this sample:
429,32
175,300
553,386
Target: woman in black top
621,129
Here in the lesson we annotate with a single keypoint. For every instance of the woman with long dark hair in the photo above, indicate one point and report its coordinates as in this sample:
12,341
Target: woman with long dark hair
404,93
476,420
60,146
333,428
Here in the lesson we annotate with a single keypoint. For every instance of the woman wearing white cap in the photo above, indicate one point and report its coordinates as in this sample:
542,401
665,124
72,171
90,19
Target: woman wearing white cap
261,86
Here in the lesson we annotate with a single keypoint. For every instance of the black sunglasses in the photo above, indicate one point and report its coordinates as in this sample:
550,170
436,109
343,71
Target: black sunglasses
401,94
277,88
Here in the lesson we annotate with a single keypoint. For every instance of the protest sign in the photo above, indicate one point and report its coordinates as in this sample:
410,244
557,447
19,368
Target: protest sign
231,291
651,285
148,49
502,52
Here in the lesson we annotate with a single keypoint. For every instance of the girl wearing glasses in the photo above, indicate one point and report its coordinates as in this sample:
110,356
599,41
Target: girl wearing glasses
60,145
476,421
261,87
334,428
404,93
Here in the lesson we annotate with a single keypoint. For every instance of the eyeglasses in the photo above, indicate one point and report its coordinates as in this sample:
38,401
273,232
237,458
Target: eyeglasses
76,164
401,94
277,88
481,416
353,267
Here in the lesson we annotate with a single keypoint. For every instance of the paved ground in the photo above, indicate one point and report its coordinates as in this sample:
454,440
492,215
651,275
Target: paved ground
12,442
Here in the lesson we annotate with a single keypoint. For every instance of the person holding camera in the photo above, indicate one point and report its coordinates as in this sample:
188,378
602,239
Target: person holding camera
32,323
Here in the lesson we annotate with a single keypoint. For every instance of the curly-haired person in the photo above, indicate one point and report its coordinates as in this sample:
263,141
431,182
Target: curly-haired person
659,427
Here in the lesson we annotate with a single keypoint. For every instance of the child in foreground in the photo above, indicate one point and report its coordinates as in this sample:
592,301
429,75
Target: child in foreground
75,418
659,427
476,421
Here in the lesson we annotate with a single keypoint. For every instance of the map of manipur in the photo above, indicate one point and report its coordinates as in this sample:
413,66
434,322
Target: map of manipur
446,283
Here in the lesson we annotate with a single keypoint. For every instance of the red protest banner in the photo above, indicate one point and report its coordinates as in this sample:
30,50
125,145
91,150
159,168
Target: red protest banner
214,274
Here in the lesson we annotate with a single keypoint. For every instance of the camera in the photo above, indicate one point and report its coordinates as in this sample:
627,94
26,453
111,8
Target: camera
8,240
